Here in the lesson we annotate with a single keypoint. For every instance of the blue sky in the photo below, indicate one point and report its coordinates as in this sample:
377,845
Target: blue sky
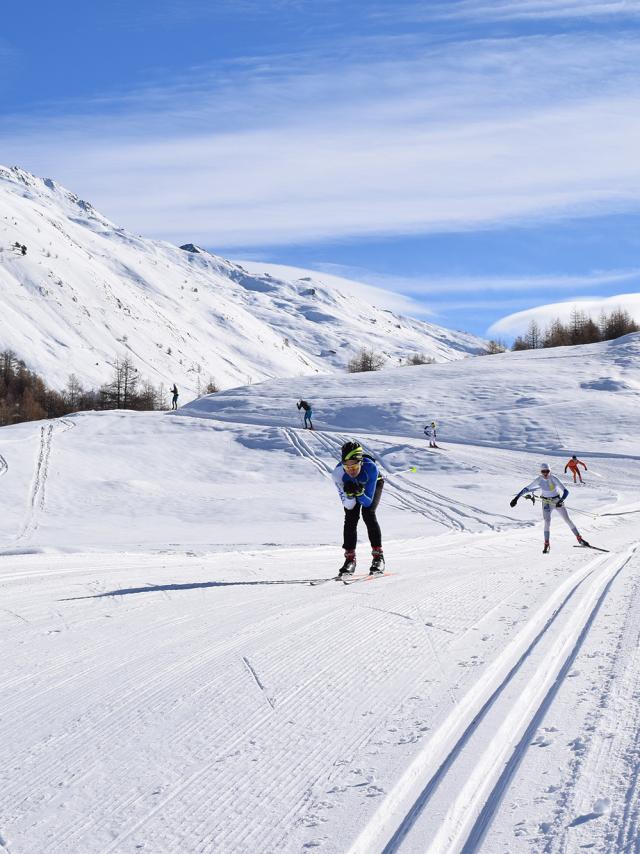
479,157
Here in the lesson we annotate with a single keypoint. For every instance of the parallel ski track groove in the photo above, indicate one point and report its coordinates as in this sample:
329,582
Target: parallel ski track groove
37,490
542,695
409,495
211,787
393,821
224,798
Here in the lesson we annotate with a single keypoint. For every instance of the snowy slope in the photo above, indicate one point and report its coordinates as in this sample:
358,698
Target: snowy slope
540,400
87,291
172,682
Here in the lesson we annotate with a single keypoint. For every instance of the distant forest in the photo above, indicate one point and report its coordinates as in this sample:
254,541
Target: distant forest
25,397
580,329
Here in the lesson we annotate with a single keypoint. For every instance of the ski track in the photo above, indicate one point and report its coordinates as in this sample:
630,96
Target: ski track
37,496
608,766
468,817
203,800
402,491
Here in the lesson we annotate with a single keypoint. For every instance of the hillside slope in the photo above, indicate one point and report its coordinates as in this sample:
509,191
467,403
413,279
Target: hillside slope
536,400
87,291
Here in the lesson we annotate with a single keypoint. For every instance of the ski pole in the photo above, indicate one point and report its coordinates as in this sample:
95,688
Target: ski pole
585,513
532,498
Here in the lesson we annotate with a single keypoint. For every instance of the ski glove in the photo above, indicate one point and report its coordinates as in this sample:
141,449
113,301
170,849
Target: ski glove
353,490
513,501
560,503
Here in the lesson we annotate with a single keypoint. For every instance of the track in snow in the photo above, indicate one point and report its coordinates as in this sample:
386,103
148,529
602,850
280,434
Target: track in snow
401,490
541,660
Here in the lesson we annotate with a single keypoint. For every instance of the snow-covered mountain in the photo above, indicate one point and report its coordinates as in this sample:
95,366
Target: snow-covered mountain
87,291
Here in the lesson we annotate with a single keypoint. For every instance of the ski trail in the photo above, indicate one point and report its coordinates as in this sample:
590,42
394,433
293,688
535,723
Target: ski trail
4,465
406,495
416,498
303,449
496,767
468,817
37,491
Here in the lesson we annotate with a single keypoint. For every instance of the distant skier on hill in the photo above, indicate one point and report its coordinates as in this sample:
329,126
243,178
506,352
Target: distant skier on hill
573,464
430,431
359,484
174,399
550,487
302,404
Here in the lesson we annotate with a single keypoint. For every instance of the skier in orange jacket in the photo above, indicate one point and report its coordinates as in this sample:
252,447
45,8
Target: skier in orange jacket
573,464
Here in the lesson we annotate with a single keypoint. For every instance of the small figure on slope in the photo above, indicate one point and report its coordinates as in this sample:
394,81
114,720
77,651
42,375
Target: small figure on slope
302,404
552,495
174,399
573,464
359,485
430,431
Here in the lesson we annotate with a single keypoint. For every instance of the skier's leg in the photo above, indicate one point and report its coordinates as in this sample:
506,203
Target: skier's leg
546,520
563,512
370,520
350,535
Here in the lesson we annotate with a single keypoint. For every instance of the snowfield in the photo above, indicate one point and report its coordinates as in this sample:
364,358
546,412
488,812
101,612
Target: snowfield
173,682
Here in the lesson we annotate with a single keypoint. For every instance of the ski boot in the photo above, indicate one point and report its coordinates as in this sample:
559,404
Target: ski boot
547,547
377,564
582,542
349,565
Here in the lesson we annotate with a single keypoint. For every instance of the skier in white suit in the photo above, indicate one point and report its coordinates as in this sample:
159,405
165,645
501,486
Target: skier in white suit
552,496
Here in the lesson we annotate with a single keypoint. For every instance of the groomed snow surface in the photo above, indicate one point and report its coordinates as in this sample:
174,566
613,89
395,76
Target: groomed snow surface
172,682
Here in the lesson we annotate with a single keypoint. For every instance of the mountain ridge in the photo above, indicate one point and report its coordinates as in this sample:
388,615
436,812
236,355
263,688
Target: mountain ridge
87,292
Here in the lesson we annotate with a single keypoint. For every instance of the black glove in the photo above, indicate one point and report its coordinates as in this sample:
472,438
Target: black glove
513,501
559,503
352,489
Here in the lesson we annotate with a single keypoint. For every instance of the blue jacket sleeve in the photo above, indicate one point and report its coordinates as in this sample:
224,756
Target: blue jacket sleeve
371,471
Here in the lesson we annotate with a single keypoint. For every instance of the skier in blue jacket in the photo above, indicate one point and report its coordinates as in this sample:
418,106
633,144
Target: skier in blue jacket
359,484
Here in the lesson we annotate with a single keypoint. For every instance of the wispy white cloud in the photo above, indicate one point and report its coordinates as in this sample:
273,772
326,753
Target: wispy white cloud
534,9
454,137
425,286
517,323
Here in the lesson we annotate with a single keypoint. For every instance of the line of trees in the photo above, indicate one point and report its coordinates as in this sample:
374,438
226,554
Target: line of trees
580,329
24,396
368,360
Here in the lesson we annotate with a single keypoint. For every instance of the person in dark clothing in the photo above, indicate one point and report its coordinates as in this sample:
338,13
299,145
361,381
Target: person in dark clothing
302,404
359,484
174,399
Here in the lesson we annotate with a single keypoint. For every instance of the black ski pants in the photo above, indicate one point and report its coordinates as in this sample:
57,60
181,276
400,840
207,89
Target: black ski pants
352,516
